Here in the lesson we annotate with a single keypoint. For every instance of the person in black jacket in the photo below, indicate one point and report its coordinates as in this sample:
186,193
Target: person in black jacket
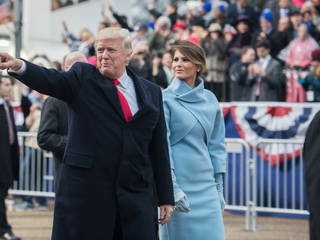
239,74
9,150
171,11
52,134
161,69
311,152
243,38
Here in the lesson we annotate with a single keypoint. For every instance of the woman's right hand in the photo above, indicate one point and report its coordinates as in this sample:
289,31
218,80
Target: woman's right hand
181,201
182,205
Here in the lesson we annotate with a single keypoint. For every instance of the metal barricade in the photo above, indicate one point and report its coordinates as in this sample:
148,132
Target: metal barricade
36,169
267,178
279,181
253,183
238,180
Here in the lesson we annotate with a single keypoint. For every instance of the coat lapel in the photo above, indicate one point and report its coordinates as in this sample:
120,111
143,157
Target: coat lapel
269,66
109,90
142,93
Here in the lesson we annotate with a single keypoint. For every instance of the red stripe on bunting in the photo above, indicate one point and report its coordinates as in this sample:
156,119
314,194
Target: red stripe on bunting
278,111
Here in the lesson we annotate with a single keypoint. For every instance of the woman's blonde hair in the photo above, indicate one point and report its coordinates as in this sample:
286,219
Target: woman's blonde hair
193,52
116,32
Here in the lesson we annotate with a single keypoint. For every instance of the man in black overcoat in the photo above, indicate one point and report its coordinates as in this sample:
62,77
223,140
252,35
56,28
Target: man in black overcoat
116,167
311,157
9,155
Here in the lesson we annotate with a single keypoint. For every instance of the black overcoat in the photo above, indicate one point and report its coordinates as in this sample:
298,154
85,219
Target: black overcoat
311,157
110,166
9,155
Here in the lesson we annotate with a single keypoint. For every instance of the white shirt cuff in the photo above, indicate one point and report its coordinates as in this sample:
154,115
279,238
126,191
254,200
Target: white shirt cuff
20,71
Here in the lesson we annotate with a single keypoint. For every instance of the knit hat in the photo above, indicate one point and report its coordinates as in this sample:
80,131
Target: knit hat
206,6
244,19
221,7
267,15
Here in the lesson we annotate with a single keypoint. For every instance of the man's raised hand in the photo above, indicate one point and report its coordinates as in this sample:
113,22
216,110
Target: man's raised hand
7,61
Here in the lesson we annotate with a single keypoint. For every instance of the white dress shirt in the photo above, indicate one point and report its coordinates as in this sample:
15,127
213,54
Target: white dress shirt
126,87
263,62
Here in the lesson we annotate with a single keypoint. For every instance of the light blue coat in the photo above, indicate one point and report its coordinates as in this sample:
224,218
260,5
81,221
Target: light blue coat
197,151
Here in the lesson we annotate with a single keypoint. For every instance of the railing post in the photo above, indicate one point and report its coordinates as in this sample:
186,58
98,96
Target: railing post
251,189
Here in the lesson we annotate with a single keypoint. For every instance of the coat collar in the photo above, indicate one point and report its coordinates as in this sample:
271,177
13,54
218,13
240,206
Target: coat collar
195,102
184,92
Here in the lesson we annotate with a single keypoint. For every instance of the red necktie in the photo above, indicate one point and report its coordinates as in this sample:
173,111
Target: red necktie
123,102
10,123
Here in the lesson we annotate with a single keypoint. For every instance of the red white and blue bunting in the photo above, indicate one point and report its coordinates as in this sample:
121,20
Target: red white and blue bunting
255,121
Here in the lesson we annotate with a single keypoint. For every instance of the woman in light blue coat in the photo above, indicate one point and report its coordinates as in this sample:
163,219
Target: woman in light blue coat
197,150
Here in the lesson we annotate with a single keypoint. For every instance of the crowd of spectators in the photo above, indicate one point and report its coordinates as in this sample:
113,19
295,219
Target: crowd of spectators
281,37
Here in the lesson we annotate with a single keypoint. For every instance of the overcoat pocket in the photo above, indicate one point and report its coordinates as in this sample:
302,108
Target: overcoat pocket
78,160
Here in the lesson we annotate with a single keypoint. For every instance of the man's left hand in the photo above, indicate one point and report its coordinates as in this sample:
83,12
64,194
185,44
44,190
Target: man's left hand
165,214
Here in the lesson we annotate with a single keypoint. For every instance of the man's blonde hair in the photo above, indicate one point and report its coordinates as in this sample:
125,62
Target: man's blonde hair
116,32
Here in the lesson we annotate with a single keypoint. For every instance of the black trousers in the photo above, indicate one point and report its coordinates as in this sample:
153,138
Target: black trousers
4,226
117,232
313,195
117,235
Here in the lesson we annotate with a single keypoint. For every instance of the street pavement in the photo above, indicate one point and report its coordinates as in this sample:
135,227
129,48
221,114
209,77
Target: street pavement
36,225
